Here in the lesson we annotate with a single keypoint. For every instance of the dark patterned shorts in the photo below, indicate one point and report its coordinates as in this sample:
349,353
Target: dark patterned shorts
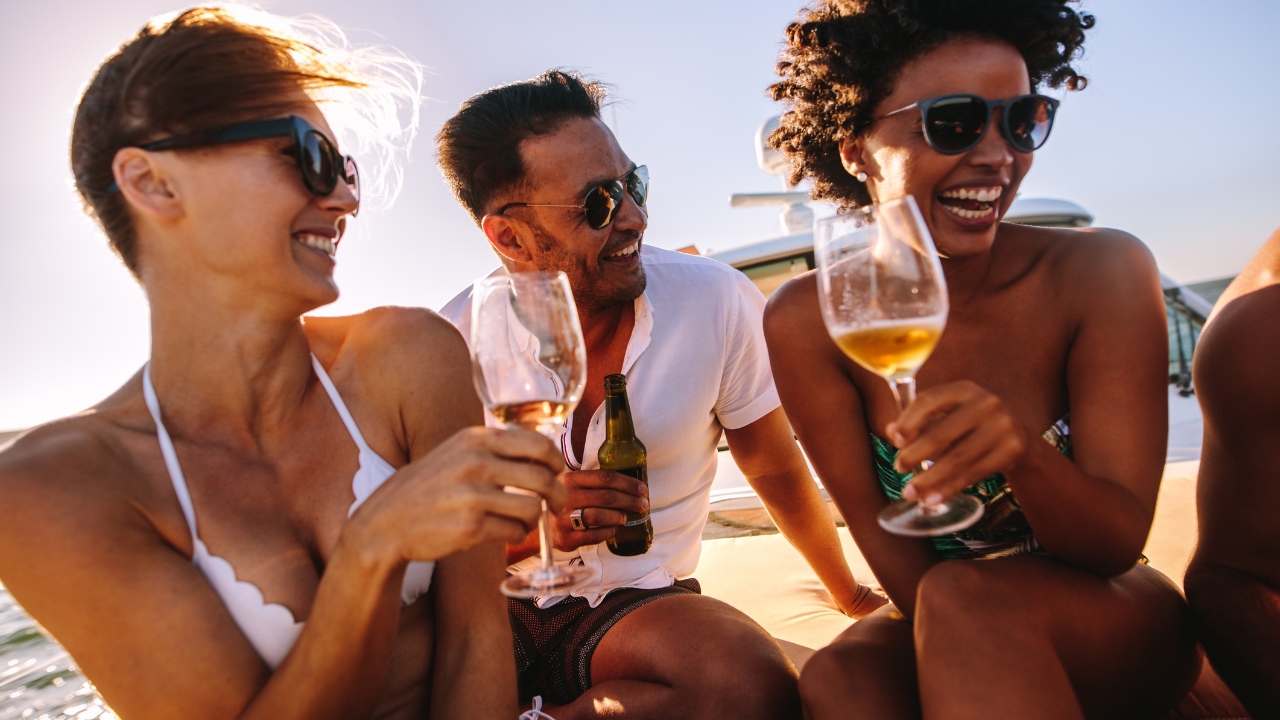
554,645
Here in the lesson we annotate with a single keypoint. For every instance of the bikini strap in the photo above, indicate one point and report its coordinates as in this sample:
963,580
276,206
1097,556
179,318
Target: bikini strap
170,456
341,407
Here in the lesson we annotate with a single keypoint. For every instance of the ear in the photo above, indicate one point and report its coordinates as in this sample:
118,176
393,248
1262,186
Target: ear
851,155
507,236
141,179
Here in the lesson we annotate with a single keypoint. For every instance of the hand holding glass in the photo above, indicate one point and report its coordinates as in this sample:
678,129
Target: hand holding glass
884,301
529,364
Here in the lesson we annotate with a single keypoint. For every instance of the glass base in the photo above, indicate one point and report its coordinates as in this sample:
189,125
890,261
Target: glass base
915,519
556,580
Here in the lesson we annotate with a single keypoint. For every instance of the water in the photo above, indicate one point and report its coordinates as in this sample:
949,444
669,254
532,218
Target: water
38,680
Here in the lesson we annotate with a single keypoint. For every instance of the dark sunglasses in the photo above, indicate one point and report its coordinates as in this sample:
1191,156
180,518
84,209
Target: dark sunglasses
318,160
602,201
956,123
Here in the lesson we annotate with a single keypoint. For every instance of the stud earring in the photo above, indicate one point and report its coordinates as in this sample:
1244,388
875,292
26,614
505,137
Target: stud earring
862,176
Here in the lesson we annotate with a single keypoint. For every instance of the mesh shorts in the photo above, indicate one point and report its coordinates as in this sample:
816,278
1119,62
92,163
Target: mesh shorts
554,645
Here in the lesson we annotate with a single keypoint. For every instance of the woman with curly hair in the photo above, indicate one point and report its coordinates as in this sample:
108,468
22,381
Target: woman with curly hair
275,517
1052,331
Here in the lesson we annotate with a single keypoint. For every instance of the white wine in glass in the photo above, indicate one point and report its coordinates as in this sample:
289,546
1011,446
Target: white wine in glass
884,302
529,364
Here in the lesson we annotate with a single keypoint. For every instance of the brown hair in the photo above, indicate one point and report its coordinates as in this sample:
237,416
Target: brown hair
479,148
205,67
842,57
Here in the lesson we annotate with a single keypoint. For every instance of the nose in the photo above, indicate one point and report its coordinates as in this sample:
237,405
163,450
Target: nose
630,216
992,149
342,200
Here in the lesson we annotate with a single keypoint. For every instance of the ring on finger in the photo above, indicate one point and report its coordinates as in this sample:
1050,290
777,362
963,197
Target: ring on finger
575,519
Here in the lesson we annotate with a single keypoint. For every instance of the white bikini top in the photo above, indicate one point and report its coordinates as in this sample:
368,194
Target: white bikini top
270,627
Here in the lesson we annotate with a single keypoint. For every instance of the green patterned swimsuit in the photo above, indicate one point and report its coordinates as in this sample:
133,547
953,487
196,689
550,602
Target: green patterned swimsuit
1003,529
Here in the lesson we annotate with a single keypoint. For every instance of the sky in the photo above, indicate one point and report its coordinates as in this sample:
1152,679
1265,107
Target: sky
1174,141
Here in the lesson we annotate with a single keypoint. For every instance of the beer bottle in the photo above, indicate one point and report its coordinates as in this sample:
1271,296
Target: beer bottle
623,452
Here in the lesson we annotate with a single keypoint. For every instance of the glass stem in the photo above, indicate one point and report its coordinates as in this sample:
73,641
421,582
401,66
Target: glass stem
545,541
904,391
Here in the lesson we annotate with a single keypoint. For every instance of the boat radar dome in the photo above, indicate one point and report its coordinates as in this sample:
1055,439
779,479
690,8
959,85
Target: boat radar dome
770,160
796,216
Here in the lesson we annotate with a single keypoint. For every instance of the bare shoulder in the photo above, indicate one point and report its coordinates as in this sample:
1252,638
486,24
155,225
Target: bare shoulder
391,347
1234,365
1098,259
1093,271
793,305
66,486
408,366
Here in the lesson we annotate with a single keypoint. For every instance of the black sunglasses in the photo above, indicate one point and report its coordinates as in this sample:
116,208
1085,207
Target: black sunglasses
955,123
602,201
318,160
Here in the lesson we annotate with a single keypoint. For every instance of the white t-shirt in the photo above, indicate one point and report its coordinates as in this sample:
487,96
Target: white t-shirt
696,363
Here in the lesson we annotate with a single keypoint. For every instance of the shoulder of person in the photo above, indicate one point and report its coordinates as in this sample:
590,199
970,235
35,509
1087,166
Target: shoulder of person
794,303
387,336
58,480
1096,265
397,358
1234,363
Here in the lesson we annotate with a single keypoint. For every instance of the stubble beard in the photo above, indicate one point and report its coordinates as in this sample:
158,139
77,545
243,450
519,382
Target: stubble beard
589,293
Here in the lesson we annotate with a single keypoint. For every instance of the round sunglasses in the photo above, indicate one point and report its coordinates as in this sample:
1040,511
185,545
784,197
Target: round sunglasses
318,159
602,201
956,123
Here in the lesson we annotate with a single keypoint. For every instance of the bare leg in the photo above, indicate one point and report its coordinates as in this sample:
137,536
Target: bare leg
868,672
1238,618
1031,637
687,656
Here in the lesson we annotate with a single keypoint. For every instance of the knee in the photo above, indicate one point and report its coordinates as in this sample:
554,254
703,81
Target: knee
964,593
836,667
760,682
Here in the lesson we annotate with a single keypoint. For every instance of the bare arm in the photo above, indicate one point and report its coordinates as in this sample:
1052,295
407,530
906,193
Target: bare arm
826,410
1233,583
475,675
773,465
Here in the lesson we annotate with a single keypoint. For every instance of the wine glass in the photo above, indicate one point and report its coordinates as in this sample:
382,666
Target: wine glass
884,301
529,364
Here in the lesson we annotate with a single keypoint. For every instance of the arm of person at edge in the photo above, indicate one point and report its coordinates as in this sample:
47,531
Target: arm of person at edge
826,411
1233,582
1095,511
156,639
604,496
767,454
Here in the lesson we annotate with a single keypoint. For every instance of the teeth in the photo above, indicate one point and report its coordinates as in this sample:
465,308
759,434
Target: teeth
987,194
628,250
319,242
970,214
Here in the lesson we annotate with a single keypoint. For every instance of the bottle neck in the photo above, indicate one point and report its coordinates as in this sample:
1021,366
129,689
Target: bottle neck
617,414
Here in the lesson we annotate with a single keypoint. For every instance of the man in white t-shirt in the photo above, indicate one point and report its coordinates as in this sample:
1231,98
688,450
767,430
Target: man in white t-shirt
552,190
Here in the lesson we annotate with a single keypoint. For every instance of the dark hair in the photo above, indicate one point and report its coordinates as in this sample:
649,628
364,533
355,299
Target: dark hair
479,148
843,57
203,68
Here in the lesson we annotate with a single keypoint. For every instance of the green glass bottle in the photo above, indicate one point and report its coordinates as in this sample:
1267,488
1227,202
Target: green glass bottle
623,452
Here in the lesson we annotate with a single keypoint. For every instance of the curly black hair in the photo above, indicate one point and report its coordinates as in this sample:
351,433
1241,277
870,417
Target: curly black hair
842,57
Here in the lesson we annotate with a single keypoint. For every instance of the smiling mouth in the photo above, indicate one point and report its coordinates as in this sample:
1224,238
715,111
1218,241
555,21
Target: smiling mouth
971,203
328,246
625,251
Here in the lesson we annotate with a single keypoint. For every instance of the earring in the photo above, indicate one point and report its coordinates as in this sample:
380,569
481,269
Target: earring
862,176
